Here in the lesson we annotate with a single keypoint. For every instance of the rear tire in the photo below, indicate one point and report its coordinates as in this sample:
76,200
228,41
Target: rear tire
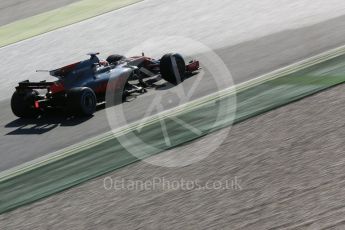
173,68
22,104
81,101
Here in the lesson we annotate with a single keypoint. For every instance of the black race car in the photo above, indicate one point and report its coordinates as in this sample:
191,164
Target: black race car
80,86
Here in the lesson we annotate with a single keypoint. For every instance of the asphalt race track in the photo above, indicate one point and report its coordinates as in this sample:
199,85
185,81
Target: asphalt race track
22,140
289,162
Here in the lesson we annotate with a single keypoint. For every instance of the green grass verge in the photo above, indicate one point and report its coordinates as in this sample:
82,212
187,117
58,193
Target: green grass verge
64,16
108,154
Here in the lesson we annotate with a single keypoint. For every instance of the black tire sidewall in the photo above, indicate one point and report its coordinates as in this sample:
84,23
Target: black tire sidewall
22,104
167,70
88,102
76,101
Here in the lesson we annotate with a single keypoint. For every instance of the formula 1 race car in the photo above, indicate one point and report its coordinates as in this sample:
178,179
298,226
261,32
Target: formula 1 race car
82,85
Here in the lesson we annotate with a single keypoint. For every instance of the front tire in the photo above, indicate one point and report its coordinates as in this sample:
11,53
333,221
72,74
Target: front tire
81,101
173,68
22,104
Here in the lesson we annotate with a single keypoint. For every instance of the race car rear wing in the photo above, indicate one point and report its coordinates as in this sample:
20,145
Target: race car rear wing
34,85
52,87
